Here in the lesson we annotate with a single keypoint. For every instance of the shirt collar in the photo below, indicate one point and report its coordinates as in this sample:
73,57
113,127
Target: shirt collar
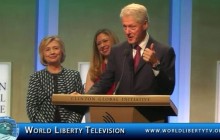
143,44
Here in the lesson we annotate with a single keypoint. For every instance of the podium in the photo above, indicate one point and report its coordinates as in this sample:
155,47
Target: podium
121,108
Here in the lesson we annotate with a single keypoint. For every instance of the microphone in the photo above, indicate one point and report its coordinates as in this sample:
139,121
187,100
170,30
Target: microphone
126,53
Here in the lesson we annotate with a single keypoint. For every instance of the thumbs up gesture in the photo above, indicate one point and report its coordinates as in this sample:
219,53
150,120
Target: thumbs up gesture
149,55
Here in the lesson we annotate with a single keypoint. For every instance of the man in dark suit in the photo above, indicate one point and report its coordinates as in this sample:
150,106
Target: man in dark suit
155,73
155,70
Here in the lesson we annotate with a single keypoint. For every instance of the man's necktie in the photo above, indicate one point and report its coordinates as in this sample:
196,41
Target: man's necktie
137,57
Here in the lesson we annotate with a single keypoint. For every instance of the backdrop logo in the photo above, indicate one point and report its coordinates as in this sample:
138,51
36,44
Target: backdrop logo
108,118
3,97
2,86
5,88
8,129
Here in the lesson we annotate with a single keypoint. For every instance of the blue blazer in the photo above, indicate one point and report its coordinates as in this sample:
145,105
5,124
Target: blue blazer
143,81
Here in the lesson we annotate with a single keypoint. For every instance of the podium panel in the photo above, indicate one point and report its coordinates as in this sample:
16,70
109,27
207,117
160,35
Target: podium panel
115,115
121,108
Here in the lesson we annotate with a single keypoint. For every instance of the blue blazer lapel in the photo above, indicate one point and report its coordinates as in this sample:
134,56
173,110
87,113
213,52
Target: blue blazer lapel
142,62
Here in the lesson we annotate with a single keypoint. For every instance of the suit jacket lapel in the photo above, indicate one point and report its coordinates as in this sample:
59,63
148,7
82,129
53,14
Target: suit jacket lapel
142,62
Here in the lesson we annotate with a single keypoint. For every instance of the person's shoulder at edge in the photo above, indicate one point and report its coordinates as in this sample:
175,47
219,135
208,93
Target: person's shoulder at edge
37,73
68,70
120,46
157,43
